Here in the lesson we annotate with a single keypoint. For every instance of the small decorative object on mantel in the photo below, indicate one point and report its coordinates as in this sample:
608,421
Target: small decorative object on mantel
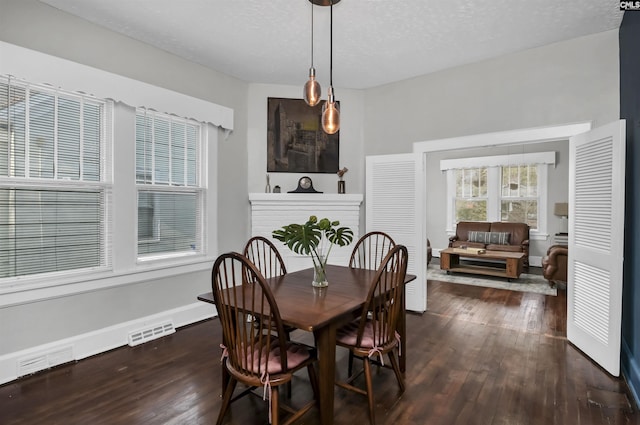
305,185
341,184
312,238
276,189
267,188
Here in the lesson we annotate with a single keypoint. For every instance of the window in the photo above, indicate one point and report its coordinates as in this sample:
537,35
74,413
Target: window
53,191
471,194
498,188
519,194
170,193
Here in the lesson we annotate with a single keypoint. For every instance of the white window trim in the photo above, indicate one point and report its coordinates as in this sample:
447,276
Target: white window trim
104,185
493,184
493,163
499,160
126,270
200,188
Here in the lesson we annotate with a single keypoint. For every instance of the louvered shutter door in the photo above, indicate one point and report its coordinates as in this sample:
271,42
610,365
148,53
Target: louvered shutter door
393,205
596,243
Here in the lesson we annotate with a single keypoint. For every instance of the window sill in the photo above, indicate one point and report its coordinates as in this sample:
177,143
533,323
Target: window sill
23,291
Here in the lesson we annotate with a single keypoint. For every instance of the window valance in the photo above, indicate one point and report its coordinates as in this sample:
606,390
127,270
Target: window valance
499,160
37,67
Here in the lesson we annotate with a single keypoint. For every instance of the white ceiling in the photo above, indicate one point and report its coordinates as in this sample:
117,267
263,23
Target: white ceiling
375,42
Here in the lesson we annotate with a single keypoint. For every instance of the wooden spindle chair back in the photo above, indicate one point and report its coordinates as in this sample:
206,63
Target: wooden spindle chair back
256,350
374,334
370,250
265,256
242,297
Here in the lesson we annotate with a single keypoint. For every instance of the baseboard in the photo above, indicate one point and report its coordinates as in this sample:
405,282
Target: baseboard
631,372
85,345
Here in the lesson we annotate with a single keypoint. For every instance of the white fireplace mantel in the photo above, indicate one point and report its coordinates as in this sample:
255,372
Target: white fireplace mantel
270,211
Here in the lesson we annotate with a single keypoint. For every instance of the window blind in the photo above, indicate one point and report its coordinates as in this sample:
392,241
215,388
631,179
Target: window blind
53,202
170,198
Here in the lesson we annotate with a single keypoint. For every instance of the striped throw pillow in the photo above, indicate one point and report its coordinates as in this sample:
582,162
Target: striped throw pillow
498,238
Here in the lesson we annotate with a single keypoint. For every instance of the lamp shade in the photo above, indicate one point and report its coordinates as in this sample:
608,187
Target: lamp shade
561,209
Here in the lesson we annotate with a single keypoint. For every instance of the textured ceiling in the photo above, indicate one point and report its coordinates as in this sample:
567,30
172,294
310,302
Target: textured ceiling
375,42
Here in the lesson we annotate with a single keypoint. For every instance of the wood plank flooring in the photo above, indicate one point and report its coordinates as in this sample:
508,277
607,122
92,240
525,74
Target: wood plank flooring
477,356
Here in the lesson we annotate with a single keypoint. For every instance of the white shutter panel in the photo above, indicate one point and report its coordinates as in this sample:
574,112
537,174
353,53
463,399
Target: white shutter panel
596,238
393,205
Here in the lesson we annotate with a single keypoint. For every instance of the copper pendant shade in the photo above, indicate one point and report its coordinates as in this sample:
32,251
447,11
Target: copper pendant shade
330,110
311,93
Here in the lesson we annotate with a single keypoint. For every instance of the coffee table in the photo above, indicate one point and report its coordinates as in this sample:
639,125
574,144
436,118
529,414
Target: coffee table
514,262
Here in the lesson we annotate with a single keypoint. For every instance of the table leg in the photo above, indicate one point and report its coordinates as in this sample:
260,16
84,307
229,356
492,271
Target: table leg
402,330
513,267
326,343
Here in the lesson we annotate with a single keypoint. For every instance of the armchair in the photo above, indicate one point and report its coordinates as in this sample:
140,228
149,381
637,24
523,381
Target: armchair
554,264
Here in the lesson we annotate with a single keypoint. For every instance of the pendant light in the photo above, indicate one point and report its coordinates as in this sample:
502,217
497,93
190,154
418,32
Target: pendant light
330,110
312,90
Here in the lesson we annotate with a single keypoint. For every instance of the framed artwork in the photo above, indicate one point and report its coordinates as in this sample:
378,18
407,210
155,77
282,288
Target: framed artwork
296,142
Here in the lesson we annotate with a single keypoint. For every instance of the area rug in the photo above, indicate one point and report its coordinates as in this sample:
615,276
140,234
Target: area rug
526,283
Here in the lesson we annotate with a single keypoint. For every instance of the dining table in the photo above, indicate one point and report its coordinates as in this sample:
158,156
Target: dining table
323,311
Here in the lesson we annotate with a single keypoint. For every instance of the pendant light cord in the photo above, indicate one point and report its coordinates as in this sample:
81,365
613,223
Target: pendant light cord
331,47
311,34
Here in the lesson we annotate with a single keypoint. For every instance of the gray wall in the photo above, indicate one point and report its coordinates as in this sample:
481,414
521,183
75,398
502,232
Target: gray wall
565,82
34,25
31,24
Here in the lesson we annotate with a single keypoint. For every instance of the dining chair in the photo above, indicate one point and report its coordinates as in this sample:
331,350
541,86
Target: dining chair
374,334
267,259
265,256
370,250
368,253
251,356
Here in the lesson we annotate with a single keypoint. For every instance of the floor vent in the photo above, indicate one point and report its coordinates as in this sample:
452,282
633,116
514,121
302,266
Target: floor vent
45,360
141,336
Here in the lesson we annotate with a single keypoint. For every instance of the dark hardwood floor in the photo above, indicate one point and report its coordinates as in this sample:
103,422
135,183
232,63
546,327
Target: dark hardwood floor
477,356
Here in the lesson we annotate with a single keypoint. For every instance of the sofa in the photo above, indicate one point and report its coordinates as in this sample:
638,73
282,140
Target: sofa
554,264
493,236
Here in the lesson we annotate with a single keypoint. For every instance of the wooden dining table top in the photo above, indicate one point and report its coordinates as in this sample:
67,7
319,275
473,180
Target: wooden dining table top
309,308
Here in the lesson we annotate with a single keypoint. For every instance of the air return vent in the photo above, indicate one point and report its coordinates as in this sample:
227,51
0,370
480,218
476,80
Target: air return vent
141,336
54,357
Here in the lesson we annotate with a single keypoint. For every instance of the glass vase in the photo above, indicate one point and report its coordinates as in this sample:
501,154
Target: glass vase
320,273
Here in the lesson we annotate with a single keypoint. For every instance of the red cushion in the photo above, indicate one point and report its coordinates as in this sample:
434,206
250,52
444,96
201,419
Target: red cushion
296,354
348,335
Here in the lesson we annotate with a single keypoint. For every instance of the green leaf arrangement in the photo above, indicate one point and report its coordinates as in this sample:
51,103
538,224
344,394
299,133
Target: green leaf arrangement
309,238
